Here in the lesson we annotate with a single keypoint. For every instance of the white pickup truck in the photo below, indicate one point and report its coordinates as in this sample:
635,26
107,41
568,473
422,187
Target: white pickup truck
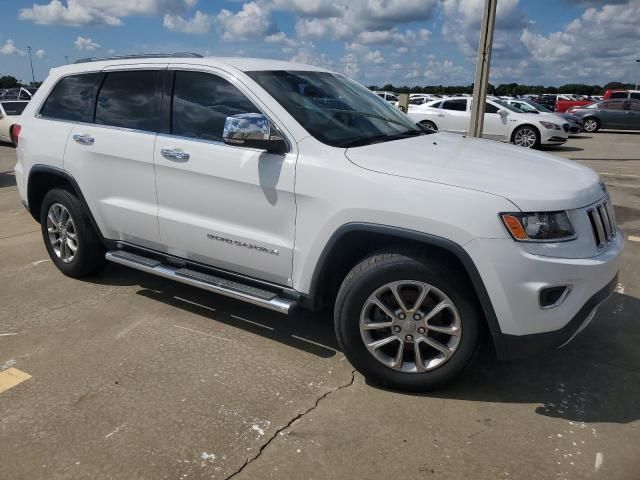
286,185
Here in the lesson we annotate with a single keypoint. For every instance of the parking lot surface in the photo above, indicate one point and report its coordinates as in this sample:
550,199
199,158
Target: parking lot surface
133,376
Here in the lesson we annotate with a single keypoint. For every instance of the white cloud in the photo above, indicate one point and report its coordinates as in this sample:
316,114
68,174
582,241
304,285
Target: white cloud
9,48
200,23
83,43
252,21
97,12
40,53
375,57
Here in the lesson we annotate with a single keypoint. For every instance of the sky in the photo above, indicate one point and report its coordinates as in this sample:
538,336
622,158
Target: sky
403,42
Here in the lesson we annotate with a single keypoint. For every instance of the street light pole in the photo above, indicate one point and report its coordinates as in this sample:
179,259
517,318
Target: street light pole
482,68
33,77
638,75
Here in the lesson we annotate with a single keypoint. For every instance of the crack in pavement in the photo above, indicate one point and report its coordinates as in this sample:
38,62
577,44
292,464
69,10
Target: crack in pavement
291,422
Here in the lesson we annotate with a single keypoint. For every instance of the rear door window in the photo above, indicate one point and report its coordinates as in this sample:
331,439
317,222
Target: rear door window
130,100
635,95
618,95
73,98
459,105
201,104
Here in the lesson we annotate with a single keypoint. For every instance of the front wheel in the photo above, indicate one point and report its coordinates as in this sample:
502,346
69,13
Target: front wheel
405,322
526,136
429,125
591,125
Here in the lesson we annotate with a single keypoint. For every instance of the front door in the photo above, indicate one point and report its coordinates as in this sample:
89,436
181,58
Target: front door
495,125
226,206
612,114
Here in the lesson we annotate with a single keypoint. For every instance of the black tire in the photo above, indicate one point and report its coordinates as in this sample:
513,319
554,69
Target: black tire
591,121
89,257
522,128
375,272
429,124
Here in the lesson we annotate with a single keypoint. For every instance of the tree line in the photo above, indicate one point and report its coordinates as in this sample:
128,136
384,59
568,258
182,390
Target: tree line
7,81
511,89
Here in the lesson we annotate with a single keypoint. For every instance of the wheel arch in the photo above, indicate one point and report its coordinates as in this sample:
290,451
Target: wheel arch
43,178
352,242
531,125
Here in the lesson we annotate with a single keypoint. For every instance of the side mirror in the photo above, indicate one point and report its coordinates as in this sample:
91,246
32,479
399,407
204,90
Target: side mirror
503,113
253,130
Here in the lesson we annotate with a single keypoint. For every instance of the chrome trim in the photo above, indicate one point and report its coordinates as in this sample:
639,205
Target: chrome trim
83,139
174,154
277,304
557,303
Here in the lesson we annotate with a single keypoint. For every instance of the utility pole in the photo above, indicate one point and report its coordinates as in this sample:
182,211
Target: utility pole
638,77
33,77
482,68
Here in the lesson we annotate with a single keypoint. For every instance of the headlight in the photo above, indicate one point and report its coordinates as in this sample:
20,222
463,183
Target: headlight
550,126
539,226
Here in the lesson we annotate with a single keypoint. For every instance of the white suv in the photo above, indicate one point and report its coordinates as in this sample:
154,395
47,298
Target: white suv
501,121
287,185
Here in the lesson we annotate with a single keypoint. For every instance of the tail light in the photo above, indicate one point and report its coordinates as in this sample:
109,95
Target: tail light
14,133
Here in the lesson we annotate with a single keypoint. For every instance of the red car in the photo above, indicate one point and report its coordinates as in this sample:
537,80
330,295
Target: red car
635,94
563,105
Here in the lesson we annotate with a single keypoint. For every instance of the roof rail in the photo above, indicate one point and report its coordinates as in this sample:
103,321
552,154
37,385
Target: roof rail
142,55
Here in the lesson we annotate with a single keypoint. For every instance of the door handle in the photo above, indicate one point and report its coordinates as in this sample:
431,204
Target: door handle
174,154
84,139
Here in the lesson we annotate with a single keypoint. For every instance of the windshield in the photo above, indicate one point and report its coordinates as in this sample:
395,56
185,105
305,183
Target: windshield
14,108
335,110
525,107
506,106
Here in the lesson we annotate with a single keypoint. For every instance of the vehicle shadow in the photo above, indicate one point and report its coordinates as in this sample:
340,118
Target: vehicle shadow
301,329
560,148
7,179
596,378
621,132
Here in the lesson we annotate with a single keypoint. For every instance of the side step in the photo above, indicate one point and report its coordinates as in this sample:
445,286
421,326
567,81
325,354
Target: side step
212,283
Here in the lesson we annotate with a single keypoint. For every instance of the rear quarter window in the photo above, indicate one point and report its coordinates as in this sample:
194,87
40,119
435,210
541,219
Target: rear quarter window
14,108
73,98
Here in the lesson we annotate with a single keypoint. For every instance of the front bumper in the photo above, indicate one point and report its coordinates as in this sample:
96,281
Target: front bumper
514,278
509,347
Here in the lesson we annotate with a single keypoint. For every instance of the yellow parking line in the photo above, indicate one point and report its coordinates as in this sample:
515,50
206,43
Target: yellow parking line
11,377
634,238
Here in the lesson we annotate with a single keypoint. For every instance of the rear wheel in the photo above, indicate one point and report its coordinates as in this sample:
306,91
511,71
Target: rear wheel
429,124
70,239
405,322
526,136
591,125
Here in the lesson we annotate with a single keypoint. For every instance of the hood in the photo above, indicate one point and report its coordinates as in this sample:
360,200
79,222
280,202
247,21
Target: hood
532,180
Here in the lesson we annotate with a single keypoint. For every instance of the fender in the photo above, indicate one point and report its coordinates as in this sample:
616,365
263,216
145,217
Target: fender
59,172
425,238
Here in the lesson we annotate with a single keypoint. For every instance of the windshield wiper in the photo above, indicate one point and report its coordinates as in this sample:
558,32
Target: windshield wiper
386,137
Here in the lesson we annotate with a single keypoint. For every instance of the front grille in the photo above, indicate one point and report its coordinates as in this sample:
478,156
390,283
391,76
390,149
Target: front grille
603,223
565,127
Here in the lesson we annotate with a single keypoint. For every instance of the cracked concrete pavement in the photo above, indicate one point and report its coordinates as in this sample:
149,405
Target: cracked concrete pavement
137,377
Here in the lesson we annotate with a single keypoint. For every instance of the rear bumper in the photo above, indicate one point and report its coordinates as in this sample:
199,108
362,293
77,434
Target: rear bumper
520,346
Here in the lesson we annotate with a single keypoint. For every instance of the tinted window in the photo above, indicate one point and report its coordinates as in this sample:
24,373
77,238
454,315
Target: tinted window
618,95
130,100
73,98
635,95
14,108
459,105
616,105
488,108
201,104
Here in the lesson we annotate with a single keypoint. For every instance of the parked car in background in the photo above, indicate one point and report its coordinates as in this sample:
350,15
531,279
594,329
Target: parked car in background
529,106
388,96
10,111
563,103
501,121
610,94
618,114
18,93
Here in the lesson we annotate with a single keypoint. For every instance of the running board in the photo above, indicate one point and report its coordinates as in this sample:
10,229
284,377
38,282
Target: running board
212,283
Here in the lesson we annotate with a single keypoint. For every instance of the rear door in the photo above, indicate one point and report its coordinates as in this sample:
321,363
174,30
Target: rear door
112,157
455,117
632,107
224,205
612,114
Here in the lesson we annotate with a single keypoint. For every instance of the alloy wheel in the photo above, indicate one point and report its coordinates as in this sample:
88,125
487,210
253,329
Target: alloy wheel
62,232
525,137
410,326
590,125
